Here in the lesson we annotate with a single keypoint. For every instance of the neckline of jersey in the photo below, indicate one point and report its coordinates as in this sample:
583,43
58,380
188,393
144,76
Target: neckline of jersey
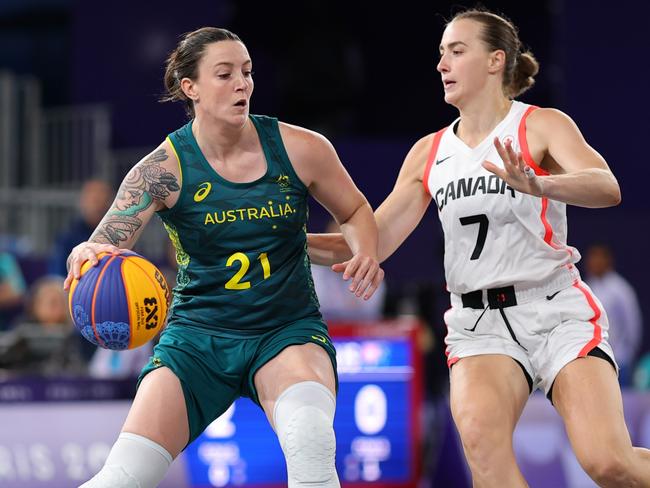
487,139
221,179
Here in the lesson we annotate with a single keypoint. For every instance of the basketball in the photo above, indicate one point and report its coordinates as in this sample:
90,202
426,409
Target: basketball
121,303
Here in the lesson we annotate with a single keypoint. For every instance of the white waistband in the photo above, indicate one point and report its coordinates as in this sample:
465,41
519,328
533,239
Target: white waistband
528,292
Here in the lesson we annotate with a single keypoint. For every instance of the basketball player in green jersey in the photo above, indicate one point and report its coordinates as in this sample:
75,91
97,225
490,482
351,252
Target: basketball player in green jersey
231,189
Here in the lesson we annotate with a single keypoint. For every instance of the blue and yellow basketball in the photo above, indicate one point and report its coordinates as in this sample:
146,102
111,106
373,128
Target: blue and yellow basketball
121,303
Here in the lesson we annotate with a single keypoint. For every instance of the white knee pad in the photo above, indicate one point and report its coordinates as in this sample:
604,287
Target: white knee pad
303,417
134,462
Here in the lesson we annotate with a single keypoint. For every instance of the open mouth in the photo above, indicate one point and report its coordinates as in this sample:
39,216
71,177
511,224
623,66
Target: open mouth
448,83
241,103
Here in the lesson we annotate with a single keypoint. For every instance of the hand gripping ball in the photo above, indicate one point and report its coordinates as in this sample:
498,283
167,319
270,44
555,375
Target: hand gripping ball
121,303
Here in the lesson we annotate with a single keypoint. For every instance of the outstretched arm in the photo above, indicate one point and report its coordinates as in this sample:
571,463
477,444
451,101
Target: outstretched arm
148,187
580,176
320,169
396,217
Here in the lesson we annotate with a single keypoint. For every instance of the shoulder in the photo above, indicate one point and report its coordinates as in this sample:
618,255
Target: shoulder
163,157
303,143
417,157
158,173
548,120
296,132
422,146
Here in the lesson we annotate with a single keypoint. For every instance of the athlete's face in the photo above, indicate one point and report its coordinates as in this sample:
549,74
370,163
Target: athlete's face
224,83
465,63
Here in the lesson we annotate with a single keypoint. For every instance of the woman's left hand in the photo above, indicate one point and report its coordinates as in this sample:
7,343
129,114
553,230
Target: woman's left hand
515,172
365,273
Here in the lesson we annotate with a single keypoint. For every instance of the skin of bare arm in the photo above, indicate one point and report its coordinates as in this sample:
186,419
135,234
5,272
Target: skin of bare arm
151,185
396,217
319,168
579,175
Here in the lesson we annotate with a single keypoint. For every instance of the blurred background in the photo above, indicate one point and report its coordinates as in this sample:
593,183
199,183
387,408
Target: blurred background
79,90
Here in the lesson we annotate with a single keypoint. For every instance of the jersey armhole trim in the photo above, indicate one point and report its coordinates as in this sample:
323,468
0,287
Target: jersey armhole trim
167,211
432,156
180,168
523,143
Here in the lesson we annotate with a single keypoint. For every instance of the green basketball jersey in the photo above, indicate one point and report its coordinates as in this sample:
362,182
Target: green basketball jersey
241,248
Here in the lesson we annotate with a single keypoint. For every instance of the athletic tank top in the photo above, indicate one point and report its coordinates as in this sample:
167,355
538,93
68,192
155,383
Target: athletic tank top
240,247
494,236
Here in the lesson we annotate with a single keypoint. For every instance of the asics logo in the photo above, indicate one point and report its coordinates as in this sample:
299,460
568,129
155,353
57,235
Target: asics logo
319,338
202,192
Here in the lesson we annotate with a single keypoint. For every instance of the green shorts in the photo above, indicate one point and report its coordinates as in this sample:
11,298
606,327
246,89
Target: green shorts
215,371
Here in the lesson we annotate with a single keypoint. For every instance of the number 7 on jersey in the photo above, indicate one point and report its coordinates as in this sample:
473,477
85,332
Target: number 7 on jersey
483,223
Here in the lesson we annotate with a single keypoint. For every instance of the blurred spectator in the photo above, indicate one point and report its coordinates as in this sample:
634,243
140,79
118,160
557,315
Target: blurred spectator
119,364
94,200
44,340
620,302
12,289
47,304
336,300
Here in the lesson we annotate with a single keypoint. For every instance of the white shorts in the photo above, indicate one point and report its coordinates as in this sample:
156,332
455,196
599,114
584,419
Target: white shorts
550,326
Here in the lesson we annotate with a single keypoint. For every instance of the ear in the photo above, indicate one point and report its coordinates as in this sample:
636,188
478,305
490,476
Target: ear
496,61
189,88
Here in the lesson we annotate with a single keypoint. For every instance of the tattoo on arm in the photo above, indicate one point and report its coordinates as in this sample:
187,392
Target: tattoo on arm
145,184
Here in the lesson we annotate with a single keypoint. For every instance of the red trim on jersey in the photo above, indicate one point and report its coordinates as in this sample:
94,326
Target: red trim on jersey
452,361
594,321
432,156
523,143
528,158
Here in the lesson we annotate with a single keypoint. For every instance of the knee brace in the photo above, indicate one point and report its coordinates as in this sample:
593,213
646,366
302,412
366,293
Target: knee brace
303,418
134,462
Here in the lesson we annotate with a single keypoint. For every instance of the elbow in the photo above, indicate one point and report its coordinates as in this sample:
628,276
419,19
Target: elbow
614,195
608,199
610,192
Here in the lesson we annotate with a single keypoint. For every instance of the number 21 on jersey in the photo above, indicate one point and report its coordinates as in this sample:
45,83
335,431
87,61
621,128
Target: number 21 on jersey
235,282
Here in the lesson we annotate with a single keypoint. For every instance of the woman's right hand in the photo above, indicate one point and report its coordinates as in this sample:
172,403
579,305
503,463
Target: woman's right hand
86,251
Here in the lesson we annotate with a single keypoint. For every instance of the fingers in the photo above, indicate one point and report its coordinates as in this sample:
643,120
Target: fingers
366,278
502,151
376,281
529,172
516,159
340,267
86,251
358,268
493,168
513,162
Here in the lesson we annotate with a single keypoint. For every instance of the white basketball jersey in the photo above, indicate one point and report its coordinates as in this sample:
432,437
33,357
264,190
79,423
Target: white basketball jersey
494,236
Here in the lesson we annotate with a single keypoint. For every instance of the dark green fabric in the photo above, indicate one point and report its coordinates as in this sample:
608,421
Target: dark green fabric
215,371
250,236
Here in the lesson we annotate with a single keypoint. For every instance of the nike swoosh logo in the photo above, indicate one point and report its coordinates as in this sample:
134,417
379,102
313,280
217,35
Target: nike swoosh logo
438,161
551,297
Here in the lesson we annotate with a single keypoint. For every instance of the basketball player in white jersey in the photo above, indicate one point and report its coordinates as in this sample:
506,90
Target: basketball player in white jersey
521,317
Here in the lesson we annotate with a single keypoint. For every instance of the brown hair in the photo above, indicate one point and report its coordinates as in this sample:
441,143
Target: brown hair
183,61
499,33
